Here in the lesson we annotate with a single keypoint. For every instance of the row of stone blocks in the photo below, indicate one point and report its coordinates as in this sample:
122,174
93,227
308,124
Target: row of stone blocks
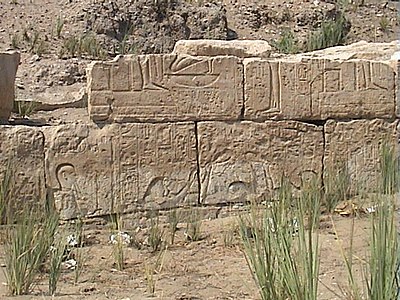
171,87
126,167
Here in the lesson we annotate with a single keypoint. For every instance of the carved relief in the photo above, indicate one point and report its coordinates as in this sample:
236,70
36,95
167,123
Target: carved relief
156,165
22,153
358,145
66,197
318,89
121,167
246,161
167,87
78,164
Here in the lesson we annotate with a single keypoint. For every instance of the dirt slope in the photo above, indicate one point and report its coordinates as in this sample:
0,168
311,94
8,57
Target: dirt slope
58,38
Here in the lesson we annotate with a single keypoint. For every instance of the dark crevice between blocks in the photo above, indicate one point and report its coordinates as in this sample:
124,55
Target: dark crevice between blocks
197,163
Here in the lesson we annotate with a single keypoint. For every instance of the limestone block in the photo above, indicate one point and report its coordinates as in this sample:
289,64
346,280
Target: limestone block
8,68
318,89
22,158
357,146
246,161
121,168
395,63
239,48
358,50
165,88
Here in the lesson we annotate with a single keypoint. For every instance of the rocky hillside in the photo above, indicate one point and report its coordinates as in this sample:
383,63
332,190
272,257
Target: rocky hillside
58,38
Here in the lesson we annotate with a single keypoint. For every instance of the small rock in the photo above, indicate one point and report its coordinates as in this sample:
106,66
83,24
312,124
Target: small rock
124,237
70,264
34,58
72,240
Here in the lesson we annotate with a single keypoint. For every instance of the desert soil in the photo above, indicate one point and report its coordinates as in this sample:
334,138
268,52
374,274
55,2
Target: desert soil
49,73
212,268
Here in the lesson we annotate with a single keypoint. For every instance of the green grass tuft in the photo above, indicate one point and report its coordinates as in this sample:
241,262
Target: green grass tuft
281,244
286,43
26,249
331,33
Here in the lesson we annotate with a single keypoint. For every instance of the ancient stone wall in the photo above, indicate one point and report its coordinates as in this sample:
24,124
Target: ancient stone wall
8,68
176,130
161,88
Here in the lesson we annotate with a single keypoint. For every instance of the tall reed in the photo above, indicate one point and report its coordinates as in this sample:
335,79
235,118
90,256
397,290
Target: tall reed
381,267
57,251
6,193
382,281
118,242
26,249
281,244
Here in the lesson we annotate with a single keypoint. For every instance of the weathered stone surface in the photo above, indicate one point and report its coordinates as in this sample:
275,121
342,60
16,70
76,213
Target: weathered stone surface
22,158
95,170
8,68
69,97
395,63
359,50
318,89
121,168
165,88
239,48
246,161
357,146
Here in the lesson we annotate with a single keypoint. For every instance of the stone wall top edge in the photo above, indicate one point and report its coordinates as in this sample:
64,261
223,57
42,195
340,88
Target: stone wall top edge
22,126
247,60
305,59
9,52
132,56
391,62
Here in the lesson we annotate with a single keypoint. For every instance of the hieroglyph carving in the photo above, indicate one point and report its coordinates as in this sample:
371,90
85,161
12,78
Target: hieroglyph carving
121,168
317,89
357,145
22,158
246,161
165,87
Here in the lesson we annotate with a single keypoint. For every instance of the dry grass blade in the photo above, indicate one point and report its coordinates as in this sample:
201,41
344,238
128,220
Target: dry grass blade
173,221
193,226
353,291
260,252
384,261
336,185
117,242
384,252
156,234
6,194
56,257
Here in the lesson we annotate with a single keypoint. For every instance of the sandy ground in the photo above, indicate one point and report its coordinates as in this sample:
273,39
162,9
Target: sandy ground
212,268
